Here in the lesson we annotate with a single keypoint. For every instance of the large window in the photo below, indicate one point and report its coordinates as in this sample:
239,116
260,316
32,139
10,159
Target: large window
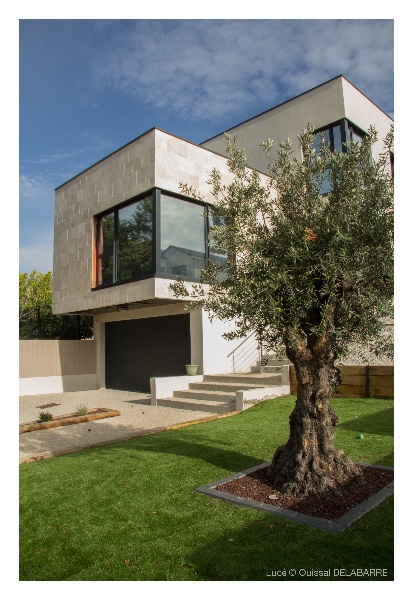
337,136
135,240
160,234
332,135
183,237
124,243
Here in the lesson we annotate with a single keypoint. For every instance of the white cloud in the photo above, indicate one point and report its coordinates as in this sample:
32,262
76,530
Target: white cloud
50,158
211,69
35,189
94,142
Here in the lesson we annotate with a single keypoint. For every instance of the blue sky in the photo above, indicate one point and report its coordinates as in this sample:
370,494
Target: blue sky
89,86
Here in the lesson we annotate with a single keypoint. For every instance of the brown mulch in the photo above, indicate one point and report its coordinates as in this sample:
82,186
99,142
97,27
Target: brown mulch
329,505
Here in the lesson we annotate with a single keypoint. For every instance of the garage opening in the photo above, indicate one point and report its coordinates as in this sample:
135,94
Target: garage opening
139,349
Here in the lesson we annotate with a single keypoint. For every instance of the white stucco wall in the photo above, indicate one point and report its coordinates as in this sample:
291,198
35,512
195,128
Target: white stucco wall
32,386
226,356
320,106
363,112
330,102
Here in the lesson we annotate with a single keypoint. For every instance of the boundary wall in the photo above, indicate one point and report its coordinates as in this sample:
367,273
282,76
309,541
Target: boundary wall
53,366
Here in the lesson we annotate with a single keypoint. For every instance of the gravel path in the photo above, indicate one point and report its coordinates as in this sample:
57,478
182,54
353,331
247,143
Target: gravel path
137,416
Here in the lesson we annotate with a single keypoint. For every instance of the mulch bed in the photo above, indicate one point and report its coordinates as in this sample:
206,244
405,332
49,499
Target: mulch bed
332,505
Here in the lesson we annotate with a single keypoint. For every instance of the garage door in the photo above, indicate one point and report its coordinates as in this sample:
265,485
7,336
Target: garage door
139,349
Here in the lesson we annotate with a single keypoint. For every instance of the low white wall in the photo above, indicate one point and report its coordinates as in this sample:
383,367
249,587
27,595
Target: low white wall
164,387
31,386
246,398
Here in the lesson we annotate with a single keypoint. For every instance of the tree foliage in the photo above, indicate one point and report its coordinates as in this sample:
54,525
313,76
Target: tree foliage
36,320
309,271
304,265
135,242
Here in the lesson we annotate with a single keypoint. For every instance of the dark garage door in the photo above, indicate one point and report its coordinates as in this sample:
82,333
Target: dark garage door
139,349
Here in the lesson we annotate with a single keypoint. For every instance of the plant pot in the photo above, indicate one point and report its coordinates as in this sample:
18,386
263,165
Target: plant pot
191,369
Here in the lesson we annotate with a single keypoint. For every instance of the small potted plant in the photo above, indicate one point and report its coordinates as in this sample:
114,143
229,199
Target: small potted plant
191,369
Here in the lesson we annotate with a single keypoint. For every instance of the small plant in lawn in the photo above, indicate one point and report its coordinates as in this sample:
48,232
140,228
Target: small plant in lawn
45,416
81,410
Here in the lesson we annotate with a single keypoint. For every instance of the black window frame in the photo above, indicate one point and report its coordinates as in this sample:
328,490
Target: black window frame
115,242
155,194
347,128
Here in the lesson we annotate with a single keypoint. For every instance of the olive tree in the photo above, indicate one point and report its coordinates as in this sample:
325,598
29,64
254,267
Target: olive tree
307,270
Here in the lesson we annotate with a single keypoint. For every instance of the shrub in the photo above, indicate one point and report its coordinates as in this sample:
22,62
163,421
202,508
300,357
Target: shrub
45,416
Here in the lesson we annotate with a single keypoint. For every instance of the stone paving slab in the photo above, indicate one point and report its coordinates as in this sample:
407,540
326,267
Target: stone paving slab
137,417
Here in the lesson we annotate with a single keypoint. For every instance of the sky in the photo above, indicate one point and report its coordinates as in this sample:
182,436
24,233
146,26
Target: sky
87,87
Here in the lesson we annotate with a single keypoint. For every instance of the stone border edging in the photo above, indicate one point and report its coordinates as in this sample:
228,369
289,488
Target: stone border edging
329,525
60,422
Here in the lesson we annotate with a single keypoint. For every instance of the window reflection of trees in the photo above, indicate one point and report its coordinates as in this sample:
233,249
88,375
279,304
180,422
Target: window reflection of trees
106,234
135,240
186,242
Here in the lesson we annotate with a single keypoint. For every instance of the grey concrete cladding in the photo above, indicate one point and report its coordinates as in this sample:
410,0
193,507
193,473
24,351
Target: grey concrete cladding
156,159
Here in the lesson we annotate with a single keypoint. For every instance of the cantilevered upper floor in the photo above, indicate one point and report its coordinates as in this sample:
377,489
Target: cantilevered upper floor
123,229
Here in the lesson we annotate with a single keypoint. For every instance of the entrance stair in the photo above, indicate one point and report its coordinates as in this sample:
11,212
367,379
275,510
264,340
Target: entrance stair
271,363
227,393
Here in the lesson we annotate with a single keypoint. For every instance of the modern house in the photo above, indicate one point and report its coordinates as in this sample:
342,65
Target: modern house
124,232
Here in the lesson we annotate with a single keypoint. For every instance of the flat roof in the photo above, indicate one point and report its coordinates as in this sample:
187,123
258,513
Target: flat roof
131,142
219,134
290,100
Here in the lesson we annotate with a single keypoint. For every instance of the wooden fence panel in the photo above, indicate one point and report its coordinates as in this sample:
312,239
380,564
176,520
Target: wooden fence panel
360,381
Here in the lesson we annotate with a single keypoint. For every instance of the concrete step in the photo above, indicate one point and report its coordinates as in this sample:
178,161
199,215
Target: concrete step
216,386
259,379
205,395
266,369
217,393
210,406
274,362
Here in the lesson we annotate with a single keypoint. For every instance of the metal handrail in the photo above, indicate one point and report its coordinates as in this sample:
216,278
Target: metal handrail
241,344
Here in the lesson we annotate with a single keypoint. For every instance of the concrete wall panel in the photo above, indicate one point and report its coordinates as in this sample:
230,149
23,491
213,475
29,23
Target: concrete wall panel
43,358
321,106
50,366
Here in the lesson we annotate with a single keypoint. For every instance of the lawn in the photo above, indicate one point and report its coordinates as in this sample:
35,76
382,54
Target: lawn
128,510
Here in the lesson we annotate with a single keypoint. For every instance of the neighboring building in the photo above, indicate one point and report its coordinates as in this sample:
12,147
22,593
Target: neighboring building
124,232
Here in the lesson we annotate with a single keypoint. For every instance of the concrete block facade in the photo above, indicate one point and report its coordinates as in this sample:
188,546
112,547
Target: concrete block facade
156,159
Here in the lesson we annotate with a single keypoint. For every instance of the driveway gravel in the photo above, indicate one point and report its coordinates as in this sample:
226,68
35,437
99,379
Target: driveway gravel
137,417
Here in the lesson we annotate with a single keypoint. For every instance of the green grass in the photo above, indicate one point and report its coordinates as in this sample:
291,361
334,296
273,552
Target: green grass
128,510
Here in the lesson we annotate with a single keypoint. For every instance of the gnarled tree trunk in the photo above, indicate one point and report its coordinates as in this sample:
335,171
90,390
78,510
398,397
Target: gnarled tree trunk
309,463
